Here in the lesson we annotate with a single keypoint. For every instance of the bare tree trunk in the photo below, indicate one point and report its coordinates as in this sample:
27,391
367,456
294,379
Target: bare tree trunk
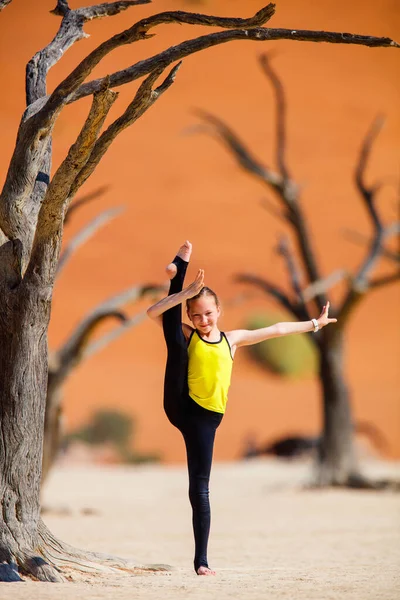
23,350
26,545
336,460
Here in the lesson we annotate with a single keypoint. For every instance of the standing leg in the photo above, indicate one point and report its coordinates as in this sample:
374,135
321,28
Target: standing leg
175,382
199,435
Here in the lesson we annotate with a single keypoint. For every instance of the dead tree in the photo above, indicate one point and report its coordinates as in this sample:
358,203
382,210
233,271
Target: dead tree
32,209
336,462
79,346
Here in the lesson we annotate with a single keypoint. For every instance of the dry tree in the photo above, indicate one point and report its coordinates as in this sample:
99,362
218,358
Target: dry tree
80,344
336,460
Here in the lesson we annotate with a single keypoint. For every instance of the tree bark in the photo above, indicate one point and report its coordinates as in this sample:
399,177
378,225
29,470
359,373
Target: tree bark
23,351
336,463
26,546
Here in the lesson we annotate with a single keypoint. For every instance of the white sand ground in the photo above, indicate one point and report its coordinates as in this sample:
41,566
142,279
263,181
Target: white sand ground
270,538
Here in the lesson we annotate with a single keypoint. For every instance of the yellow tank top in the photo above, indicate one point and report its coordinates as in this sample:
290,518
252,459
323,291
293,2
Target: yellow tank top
209,372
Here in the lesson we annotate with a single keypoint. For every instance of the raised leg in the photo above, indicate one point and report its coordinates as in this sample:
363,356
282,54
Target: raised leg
175,381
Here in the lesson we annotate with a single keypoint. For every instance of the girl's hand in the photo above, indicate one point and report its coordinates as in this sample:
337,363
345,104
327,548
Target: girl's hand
194,288
323,318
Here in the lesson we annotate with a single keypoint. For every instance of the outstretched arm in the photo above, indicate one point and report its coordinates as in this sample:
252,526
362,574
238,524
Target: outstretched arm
245,337
155,311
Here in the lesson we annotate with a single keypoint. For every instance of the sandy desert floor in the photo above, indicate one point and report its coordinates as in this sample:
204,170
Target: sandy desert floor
270,537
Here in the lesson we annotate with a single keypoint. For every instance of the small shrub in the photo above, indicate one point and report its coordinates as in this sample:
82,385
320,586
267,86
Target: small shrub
289,356
117,428
106,426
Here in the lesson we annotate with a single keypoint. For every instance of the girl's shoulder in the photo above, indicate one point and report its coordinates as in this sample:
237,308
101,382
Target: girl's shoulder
187,330
232,335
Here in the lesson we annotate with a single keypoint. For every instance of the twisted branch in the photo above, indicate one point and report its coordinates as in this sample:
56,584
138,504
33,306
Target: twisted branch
280,116
71,354
139,31
360,238
271,289
384,280
143,100
84,234
4,3
279,182
361,282
70,31
46,244
114,334
295,275
196,45
39,118
83,200
322,286
77,347
240,151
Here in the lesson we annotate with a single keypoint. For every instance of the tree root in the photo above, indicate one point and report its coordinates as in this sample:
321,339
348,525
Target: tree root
357,481
68,559
54,561
360,482
39,569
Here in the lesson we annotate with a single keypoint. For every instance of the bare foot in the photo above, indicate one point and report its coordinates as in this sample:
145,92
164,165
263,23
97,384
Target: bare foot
205,571
184,252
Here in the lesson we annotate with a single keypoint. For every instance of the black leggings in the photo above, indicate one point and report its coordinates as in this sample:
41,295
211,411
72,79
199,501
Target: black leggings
197,425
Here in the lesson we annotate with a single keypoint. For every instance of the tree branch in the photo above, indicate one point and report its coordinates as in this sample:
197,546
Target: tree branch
84,234
71,354
289,192
108,9
295,275
4,3
139,31
384,280
32,155
77,347
109,337
46,244
51,213
196,45
360,283
271,289
70,31
368,193
323,285
272,209
242,154
39,118
360,238
143,100
68,89
284,187
280,116
38,129
83,200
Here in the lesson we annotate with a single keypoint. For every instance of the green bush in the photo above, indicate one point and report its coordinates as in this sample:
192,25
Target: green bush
117,428
106,426
289,356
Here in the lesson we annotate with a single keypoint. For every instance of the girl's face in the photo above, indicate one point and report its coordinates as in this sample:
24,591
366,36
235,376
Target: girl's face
204,313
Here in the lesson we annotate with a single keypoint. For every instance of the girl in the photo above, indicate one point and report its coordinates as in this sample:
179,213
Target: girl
197,378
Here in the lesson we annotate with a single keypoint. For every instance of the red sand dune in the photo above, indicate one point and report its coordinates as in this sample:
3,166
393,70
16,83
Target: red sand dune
176,186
